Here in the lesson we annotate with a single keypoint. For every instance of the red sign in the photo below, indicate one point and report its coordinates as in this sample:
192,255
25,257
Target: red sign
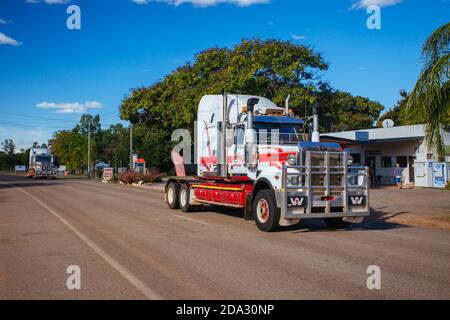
142,160
108,174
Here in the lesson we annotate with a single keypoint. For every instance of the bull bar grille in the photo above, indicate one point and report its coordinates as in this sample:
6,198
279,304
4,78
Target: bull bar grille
325,175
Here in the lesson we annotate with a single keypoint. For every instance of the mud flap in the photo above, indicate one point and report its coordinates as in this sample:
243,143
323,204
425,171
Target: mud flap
248,214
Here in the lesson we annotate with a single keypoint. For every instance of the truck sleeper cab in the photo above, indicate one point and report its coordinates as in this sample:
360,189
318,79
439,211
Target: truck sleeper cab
270,171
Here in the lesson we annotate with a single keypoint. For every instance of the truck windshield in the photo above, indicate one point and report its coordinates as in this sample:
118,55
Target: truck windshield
284,133
43,159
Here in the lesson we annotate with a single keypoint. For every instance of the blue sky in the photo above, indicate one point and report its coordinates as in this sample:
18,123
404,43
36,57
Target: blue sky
50,74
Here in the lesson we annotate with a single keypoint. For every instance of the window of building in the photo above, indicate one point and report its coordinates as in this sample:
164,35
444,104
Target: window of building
386,162
356,158
402,161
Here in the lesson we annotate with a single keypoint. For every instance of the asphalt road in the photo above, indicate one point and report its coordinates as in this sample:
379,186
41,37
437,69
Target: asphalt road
129,245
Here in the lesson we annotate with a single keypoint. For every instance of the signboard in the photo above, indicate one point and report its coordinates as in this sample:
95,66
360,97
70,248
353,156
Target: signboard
20,168
439,175
62,168
362,136
140,160
108,173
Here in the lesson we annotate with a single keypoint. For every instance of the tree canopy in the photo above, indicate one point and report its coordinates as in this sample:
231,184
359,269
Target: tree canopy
269,68
431,95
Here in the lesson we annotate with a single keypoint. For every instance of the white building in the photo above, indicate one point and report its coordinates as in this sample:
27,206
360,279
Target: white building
383,148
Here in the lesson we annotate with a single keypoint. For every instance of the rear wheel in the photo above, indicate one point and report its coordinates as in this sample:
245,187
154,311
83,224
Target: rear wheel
265,211
173,195
185,197
336,223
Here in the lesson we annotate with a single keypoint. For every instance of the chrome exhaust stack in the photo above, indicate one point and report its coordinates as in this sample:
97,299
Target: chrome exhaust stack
315,133
222,139
251,147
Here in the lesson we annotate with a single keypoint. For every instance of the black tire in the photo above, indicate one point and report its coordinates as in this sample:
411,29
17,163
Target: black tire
268,221
185,196
336,223
173,195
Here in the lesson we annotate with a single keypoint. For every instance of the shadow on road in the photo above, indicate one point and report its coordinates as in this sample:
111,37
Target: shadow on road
27,183
376,221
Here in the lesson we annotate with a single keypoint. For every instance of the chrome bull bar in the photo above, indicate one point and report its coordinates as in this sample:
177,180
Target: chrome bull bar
325,187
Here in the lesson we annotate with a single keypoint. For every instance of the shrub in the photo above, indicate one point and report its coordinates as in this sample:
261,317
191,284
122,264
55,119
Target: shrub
130,177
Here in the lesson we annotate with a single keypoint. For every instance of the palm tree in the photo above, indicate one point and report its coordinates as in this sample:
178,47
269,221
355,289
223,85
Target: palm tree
431,95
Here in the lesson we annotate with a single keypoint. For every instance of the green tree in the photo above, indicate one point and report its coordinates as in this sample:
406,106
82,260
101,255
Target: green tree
269,68
431,94
88,122
340,111
8,147
70,148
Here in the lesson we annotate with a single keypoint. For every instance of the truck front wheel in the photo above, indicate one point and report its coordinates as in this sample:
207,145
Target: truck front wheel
265,211
173,195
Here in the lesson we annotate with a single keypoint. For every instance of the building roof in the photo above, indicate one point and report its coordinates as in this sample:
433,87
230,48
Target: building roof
377,135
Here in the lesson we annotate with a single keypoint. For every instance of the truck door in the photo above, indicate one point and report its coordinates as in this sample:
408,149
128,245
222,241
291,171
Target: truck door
236,151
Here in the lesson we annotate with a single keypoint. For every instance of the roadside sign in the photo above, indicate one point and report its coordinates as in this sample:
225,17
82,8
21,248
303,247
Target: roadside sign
62,168
362,136
20,168
107,173
439,175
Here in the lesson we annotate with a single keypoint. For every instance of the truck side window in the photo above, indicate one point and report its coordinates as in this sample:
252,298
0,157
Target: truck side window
239,135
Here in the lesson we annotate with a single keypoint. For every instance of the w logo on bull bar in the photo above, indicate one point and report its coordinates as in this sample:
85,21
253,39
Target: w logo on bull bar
358,200
297,201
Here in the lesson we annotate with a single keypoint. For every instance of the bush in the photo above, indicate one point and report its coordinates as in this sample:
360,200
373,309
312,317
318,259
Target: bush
130,177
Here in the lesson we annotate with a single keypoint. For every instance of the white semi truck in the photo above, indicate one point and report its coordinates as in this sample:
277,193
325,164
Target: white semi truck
254,155
41,164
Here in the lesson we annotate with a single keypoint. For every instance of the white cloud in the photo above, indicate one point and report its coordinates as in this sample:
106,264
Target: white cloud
24,137
49,1
205,3
298,37
71,107
362,4
3,21
4,39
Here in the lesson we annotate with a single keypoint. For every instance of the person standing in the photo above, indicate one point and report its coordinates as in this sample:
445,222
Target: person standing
398,176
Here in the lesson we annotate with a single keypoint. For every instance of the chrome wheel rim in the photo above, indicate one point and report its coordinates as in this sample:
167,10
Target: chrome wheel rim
262,210
170,195
183,197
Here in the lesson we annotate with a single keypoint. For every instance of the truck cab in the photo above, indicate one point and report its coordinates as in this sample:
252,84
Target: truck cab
254,155
41,164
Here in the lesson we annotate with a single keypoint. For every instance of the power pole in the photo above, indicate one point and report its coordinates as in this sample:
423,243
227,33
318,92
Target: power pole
89,151
131,146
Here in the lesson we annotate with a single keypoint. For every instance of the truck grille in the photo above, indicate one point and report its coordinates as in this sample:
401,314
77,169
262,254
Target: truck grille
324,183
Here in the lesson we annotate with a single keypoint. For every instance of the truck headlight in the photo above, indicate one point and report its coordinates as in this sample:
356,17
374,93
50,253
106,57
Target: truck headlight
295,181
291,160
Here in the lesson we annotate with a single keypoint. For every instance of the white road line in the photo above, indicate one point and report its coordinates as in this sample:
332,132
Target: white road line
193,220
138,284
